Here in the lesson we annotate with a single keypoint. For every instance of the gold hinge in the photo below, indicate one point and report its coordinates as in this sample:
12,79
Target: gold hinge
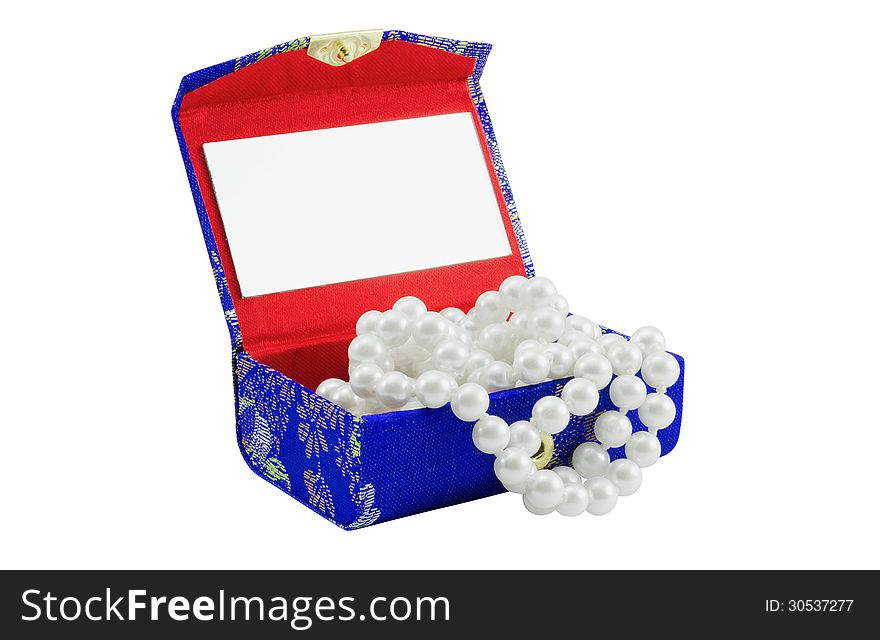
337,49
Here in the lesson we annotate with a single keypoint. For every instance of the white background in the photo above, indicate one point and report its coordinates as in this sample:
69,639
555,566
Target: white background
742,137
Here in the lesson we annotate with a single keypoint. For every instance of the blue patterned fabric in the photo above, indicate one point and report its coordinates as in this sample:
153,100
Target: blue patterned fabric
359,471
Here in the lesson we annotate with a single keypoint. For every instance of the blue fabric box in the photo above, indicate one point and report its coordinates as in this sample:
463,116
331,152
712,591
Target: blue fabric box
359,471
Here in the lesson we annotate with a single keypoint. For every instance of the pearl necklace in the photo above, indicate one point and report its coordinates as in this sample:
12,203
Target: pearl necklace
409,357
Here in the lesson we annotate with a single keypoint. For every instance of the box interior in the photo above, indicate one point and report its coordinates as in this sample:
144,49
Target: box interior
304,333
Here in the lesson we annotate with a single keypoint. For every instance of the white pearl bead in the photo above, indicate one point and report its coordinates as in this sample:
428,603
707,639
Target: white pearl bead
660,370
364,377
649,339
476,359
582,346
643,448
626,474
581,396
435,388
595,367
628,392
411,306
347,399
657,411
366,348
531,366
527,344
373,406
590,460
489,308
612,429
519,324
583,325
603,496
429,329
470,326
325,388
525,436
470,402
491,434
570,334
497,376
568,475
394,389
575,498
393,328
625,358
409,358
561,305
609,340
513,466
453,314
519,487
561,360
387,363
449,355
538,511
497,339
420,366
544,489
463,336
540,292
550,414
513,291
546,323
367,322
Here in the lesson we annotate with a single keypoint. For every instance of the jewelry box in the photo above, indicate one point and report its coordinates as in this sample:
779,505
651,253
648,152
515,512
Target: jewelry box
353,111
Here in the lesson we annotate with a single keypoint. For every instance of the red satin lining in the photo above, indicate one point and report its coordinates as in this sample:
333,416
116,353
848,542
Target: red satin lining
303,333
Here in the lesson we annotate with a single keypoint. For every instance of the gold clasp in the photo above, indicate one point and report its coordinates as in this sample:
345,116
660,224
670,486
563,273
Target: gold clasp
544,453
337,49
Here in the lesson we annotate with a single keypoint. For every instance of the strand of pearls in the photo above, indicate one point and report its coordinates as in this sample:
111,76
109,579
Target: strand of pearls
595,483
409,357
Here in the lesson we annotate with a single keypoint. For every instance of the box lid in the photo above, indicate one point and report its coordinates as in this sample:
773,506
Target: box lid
282,90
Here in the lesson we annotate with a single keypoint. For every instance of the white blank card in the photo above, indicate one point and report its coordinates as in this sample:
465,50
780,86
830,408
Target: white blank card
317,207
